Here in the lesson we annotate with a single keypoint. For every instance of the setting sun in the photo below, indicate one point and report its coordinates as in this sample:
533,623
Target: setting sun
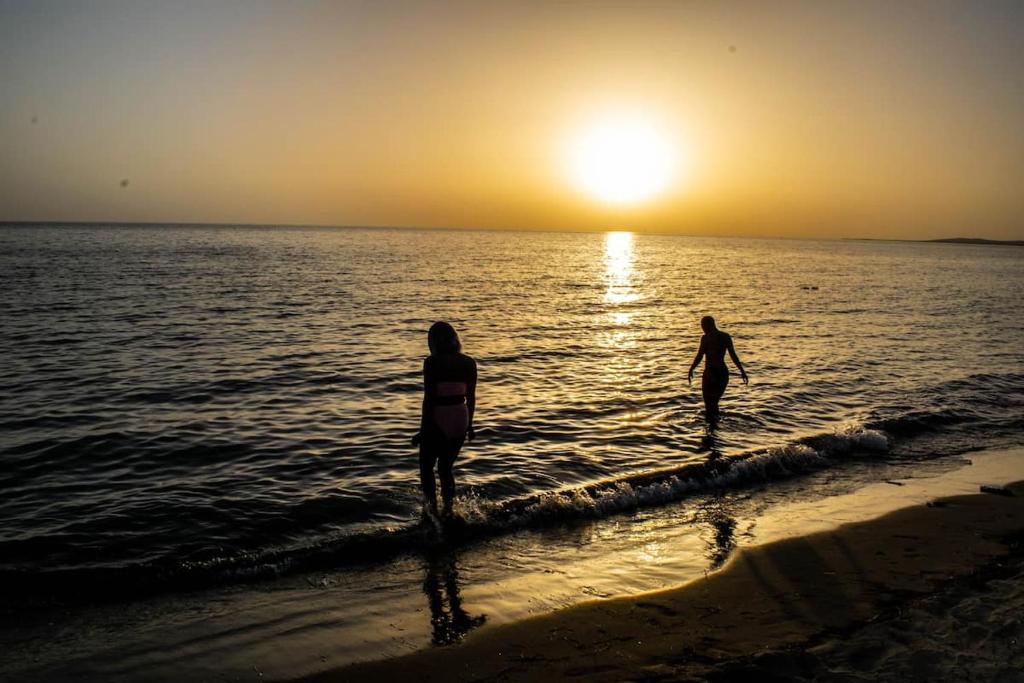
621,160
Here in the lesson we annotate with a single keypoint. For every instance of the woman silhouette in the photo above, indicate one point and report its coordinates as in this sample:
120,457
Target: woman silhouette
713,344
449,399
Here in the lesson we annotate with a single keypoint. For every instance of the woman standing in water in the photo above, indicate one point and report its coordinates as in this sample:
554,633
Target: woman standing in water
713,344
449,399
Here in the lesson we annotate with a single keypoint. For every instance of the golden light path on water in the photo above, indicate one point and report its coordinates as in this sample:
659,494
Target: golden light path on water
622,295
620,291
618,256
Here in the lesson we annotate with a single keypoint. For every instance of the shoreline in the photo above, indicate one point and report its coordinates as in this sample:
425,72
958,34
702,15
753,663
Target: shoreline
764,609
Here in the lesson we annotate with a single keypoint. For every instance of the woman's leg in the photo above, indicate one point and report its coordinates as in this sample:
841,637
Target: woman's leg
445,465
713,387
710,408
428,456
444,470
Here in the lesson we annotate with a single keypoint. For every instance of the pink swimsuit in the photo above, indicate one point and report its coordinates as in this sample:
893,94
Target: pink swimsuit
450,412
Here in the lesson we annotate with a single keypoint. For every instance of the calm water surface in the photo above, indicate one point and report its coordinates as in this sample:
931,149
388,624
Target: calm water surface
180,401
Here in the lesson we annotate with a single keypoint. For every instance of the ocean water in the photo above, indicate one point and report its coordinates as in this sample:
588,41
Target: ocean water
185,405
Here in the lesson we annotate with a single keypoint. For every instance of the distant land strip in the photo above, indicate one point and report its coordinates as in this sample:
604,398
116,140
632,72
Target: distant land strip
945,240
978,240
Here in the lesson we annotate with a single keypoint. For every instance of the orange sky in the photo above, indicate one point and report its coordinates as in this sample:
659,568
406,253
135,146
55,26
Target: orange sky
791,119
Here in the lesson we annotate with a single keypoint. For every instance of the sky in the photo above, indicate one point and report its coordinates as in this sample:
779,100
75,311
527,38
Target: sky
779,119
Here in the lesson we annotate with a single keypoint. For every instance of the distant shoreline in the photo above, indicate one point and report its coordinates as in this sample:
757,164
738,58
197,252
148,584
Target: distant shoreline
978,240
946,240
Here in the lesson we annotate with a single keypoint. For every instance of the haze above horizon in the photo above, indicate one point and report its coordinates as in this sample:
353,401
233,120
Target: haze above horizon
796,120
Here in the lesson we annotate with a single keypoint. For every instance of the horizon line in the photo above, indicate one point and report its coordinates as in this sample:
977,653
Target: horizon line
453,228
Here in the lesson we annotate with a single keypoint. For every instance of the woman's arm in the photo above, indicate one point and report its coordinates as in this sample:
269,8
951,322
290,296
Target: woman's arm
696,360
428,393
471,398
736,360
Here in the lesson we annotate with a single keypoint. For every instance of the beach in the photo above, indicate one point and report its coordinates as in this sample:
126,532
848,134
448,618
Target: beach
928,592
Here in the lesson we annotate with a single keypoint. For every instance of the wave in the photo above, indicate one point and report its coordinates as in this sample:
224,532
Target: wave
665,486
974,417
475,519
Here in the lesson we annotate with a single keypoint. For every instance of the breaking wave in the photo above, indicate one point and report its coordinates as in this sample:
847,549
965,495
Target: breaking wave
474,519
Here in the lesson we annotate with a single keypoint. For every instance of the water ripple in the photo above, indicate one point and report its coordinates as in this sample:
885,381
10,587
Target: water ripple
199,397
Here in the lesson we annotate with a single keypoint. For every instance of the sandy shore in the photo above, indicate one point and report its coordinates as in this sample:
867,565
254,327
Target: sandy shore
930,592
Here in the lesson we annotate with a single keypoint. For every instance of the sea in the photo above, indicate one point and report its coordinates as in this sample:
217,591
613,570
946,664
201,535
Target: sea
196,408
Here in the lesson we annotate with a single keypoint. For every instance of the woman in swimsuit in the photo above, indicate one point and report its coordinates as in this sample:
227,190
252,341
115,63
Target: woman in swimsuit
449,399
713,344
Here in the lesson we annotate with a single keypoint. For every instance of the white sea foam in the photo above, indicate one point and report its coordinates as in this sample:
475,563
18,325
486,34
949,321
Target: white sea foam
603,499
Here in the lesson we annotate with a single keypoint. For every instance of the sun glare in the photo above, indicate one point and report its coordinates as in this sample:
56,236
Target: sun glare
622,160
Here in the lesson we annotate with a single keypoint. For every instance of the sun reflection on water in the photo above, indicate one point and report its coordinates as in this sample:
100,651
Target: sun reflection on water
620,293
618,258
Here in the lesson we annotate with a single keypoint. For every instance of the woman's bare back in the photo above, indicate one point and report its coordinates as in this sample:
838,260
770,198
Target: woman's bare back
715,345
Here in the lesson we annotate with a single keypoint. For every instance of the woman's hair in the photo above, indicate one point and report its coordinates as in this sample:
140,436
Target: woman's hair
442,338
707,323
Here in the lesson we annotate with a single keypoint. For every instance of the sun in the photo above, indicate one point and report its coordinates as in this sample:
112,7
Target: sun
621,160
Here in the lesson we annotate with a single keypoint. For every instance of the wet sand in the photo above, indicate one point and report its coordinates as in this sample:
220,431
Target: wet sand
933,591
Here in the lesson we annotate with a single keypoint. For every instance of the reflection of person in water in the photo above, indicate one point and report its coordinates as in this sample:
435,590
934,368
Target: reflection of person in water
713,345
448,624
724,528
449,399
